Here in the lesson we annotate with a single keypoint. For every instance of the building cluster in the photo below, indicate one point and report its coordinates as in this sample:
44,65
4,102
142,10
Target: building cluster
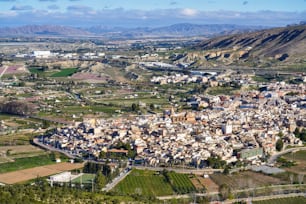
243,127
179,78
38,54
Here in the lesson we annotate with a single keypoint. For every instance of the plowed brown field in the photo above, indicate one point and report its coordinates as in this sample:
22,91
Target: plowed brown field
32,173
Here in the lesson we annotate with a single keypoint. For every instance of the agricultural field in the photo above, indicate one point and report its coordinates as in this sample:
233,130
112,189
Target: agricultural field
65,72
41,72
144,183
41,171
16,139
204,183
13,152
293,200
245,179
88,109
181,183
26,163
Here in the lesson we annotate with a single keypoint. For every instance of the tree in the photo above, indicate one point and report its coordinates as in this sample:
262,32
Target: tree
279,145
216,162
135,107
225,191
281,134
152,107
226,170
100,181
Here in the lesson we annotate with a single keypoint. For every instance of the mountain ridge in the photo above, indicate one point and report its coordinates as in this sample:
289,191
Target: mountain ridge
285,44
175,30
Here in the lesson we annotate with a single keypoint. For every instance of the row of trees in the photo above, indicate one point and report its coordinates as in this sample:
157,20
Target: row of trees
41,192
300,134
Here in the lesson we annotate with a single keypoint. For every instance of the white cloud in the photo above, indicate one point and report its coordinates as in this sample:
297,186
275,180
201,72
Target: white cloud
21,7
8,14
189,12
86,16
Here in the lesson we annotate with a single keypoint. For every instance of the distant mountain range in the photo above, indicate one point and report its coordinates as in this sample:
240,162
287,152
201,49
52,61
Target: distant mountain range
177,30
42,30
269,46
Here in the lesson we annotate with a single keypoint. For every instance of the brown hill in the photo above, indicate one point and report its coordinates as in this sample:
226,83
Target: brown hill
272,46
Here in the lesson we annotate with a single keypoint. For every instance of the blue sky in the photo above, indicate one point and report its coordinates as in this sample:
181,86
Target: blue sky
132,13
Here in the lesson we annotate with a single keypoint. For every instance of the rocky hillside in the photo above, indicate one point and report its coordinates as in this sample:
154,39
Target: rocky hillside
272,46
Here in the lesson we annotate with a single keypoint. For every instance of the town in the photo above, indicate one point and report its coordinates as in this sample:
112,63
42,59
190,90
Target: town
116,119
243,127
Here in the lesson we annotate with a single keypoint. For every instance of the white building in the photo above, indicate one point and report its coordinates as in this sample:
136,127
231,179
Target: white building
42,54
227,128
62,177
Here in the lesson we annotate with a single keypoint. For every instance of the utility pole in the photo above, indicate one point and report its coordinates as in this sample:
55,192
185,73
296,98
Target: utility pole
81,178
92,185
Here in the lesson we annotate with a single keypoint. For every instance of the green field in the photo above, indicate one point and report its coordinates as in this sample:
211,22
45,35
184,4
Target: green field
294,200
25,163
86,109
36,70
65,72
221,90
86,178
181,183
144,183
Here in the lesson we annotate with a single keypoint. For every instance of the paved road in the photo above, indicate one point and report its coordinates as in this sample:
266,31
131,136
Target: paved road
259,198
275,187
273,158
116,180
180,170
36,141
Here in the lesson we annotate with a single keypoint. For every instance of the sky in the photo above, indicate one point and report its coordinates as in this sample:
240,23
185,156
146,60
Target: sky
150,13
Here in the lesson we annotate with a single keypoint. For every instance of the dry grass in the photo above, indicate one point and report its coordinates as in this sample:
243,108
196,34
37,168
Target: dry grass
20,149
199,182
210,185
300,160
245,179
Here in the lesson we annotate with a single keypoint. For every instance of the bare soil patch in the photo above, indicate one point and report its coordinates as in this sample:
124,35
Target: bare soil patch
32,173
20,149
247,179
210,185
